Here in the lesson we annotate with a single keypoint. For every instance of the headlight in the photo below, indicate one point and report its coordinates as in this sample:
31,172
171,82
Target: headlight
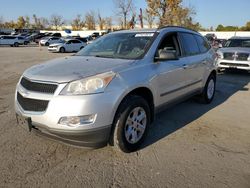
219,55
90,85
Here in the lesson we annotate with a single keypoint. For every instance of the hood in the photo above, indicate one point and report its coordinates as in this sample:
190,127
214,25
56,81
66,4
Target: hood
73,68
235,49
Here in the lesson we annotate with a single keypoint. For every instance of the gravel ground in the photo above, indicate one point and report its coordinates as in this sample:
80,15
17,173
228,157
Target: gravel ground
189,145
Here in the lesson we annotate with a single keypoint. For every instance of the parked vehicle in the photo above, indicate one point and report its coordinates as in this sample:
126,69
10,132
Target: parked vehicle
46,41
67,45
9,40
86,40
111,89
22,40
56,35
39,37
235,54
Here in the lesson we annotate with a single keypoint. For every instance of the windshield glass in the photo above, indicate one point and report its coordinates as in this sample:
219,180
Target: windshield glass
245,43
119,45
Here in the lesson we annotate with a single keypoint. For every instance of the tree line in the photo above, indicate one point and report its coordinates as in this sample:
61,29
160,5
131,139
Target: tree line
158,13
221,27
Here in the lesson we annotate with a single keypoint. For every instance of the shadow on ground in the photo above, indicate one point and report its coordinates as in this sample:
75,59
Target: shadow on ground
176,117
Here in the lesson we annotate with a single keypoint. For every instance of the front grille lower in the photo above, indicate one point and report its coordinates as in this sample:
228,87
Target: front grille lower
38,87
234,64
32,104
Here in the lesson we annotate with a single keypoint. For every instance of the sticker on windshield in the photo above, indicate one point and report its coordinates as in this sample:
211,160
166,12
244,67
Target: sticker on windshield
144,35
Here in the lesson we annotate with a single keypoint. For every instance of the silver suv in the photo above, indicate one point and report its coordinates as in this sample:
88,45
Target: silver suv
235,54
110,90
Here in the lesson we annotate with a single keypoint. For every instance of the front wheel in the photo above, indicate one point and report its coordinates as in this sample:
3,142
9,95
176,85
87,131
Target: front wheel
131,124
62,50
209,90
16,44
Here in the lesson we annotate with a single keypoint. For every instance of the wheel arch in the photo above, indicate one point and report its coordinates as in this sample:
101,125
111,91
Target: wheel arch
143,92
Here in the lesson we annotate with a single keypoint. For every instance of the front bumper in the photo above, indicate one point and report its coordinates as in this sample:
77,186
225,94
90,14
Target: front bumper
233,64
53,49
93,138
47,122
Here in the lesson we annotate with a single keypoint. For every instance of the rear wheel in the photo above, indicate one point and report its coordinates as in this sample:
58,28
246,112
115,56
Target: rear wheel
62,50
16,44
131,124
209,90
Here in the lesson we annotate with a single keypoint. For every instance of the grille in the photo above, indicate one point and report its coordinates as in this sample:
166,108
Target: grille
32,104
234,64
228,56
242,56
38,87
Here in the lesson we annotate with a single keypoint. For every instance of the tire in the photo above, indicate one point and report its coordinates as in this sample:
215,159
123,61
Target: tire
209,90
46,44
25,43
127,135
16,44
62,50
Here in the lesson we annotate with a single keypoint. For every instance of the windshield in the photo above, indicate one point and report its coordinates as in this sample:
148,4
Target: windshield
245,43
119,45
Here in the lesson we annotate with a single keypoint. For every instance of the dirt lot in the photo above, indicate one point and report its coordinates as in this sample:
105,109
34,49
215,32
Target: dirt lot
189,145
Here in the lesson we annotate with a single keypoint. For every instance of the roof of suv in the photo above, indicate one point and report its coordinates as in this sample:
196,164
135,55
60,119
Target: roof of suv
170,28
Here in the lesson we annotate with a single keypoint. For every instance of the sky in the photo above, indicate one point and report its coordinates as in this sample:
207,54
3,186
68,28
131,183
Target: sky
208,12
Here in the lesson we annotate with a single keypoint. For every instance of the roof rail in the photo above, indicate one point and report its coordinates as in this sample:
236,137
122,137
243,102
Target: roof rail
181,27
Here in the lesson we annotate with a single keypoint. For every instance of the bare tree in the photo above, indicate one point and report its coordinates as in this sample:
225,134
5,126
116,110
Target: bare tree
78,23
40,23
56,21
125,8
101,21
90,20
20,22
27,22
1,21
149,18
108,22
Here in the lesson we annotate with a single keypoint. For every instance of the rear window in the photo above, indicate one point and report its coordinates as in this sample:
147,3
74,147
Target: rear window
189,44
202,43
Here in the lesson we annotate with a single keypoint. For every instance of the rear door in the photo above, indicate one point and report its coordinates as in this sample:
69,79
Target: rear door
76,45
195,61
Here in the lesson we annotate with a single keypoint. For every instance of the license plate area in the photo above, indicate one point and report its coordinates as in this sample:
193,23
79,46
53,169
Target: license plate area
24,122
232,67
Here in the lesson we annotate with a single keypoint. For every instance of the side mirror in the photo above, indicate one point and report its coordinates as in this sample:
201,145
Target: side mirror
165,55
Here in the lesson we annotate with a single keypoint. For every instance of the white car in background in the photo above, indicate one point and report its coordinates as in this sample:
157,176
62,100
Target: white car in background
46,41
67,45
9,40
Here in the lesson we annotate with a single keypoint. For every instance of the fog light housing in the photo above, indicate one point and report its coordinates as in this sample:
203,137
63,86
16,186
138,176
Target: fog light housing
74,121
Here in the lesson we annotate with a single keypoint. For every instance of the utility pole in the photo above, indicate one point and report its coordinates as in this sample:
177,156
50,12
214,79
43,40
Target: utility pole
141,18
